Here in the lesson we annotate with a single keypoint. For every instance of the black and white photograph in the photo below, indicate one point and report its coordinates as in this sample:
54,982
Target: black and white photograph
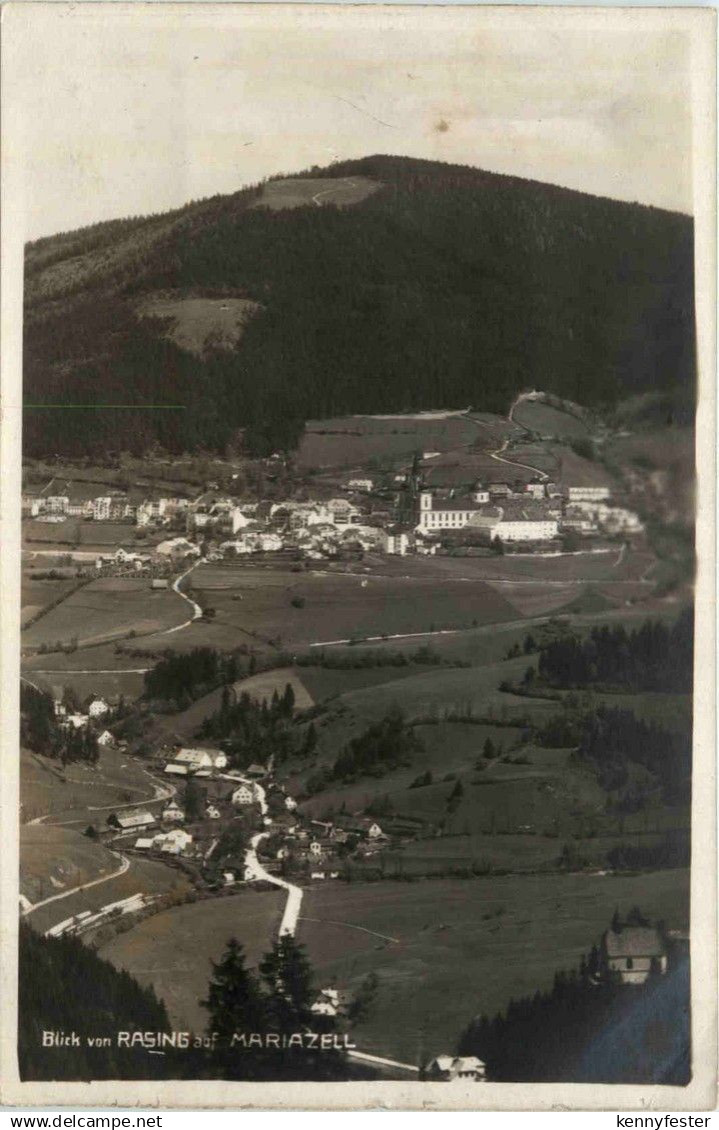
363,488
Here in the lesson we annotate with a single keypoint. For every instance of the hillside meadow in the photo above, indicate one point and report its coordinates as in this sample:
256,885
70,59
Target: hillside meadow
472,945
106,609
173,950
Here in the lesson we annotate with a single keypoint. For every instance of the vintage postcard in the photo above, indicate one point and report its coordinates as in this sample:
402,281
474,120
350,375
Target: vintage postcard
358,528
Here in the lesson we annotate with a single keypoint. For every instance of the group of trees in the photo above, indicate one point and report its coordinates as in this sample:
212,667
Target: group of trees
41,732
182,676
64,986
383,746
370,308
250,730
654,657
591,1028
612,740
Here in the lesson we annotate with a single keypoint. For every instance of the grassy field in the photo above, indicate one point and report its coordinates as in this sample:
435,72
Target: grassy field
76,532
351,441
193,320
142,877
300,192
341,605
466,947
108,609
35,595
172,951
540,417
55,859
80,793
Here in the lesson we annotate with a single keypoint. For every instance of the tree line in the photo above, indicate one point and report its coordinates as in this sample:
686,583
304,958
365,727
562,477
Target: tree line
64,986
383,746
591,1028
613,740
250,730
653,657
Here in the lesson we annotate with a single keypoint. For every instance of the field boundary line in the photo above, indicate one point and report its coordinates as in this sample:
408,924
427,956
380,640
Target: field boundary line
350,926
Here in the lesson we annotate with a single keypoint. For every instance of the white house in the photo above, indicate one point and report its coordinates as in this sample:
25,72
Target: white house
172,811
633,951
177,547
77,720
395,541
374,831
456,1069
101,508
290,803
360,484
144,843
212,812
243,795
129,821
98,707
535,490
589,494
176,770
200,761
316,849
105,738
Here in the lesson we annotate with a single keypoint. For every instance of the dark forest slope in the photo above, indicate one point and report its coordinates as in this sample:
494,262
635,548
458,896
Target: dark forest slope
446,287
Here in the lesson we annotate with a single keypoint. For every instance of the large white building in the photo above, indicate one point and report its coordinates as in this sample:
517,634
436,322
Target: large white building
447,514
525,521
589,494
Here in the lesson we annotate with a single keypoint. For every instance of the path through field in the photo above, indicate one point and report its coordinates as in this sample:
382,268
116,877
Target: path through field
196,610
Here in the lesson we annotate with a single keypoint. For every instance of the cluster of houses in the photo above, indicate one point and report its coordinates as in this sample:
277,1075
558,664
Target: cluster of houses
94,710
395,516
112,507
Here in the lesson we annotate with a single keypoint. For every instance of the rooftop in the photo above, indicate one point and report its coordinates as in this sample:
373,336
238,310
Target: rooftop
634,941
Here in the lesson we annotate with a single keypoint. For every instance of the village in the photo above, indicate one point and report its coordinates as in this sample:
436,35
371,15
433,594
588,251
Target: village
394,514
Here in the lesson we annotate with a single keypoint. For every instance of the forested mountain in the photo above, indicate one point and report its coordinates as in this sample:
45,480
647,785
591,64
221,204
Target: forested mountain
446,286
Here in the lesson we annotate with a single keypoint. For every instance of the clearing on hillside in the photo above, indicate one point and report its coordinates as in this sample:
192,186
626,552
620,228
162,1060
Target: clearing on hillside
53,860
298,192
547,420
198,323
472,945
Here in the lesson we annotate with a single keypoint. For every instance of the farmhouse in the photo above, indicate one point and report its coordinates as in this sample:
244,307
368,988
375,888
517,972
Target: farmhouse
144,843
360,484
105,738
634,952
257,770
177,770
455,1069
131,821
97,708
177,547
243,795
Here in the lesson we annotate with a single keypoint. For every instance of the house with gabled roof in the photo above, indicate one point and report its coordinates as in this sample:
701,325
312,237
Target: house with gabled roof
634,951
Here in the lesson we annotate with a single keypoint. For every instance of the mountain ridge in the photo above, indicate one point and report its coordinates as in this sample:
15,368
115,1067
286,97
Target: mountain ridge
445,285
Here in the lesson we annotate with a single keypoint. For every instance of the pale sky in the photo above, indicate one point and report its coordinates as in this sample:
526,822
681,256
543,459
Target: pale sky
125,112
